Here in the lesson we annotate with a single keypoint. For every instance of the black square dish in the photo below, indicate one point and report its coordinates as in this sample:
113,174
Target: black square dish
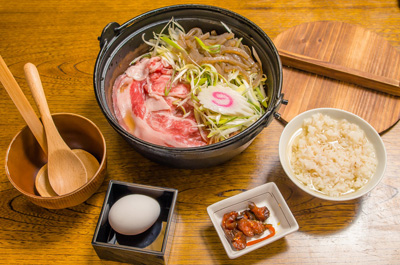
150,247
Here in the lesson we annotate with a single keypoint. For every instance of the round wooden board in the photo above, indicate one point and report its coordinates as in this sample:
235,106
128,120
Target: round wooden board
342,44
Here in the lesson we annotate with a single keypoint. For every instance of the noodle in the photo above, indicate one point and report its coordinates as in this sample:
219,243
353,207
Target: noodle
232,55
235,50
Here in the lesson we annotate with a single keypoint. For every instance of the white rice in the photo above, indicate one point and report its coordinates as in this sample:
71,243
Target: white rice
332,156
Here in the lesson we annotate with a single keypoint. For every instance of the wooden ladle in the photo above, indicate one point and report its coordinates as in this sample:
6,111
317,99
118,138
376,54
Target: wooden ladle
66,172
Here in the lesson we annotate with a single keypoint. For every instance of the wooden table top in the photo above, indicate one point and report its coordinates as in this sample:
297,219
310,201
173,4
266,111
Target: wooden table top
60,37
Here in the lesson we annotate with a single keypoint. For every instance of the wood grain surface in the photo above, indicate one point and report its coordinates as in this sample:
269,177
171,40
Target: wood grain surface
60,37
345,45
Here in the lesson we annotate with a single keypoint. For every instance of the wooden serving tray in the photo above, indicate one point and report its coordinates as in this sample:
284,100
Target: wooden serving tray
347,45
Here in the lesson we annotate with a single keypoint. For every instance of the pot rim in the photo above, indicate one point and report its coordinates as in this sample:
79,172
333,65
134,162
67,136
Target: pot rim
261,122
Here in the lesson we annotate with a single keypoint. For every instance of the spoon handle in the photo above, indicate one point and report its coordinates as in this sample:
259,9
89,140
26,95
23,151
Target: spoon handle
22,104
54,139
66,172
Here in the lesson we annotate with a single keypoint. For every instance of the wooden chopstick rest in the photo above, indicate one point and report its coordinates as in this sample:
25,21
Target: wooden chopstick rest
342,73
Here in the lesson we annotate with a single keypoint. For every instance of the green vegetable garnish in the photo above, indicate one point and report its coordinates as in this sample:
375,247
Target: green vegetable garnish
211,48
168,89
172,43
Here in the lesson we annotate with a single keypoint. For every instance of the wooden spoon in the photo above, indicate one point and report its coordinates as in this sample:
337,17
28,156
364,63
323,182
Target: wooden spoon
42,181
22,104
66,172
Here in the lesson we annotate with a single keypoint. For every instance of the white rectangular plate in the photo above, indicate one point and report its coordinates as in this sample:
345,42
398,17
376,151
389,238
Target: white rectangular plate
268,195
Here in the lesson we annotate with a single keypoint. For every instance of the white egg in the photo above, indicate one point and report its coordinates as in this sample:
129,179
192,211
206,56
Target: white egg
134,214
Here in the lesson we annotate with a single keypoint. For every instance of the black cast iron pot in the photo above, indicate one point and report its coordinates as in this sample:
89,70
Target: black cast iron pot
120,44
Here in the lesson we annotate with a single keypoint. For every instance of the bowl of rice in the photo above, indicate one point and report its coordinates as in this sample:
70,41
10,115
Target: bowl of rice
332,154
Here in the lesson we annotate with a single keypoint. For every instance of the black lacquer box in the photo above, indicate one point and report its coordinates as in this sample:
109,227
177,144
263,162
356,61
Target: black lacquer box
150,247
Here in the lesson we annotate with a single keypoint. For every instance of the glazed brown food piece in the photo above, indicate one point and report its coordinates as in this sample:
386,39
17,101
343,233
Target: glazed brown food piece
236,237
229,220
262,213
248,223
247,214
250,227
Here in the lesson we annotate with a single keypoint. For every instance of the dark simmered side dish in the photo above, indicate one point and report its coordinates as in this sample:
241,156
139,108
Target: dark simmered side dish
239,226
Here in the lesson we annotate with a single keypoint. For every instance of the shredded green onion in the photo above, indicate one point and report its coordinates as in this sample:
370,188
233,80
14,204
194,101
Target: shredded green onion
168,89
211,48
172,43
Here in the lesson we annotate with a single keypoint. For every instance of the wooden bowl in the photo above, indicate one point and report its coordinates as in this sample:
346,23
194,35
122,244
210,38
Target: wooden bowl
25,157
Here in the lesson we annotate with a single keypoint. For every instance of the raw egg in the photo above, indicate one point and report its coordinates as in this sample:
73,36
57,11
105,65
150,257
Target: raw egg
134,214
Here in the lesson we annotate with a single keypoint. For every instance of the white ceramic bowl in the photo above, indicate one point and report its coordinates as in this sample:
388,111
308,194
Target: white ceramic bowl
294,126
268,195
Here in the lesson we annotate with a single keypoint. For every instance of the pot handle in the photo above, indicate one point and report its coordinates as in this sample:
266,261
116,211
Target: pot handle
280,101
276,114
108,33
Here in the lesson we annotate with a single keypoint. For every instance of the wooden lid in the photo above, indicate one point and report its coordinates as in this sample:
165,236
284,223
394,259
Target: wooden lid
343,44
